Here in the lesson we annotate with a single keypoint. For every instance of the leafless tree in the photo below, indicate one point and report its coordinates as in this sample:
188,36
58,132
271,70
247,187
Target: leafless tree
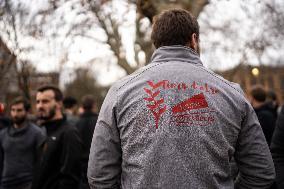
248,37
12,24
103,14
143,43
50,23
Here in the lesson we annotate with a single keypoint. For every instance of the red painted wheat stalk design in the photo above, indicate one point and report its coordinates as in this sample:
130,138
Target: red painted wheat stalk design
154,103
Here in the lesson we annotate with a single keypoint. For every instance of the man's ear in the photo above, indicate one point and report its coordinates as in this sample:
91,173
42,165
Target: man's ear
194,42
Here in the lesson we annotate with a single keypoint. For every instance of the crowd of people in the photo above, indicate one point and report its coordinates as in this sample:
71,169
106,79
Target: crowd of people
50,151
172,124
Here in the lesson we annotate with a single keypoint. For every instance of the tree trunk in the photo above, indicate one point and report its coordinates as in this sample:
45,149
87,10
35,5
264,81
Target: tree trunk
150,8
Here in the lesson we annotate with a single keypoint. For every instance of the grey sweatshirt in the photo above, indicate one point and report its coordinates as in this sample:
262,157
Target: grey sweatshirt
175,124
19,150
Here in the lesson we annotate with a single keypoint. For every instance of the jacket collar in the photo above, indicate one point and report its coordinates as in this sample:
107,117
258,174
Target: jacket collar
53,125
176,53
18,131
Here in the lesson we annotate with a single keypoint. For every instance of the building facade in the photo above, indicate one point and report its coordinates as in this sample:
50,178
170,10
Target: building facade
272,78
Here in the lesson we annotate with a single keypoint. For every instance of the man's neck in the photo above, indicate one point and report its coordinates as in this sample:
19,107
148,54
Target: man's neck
257,104
57,116
18,126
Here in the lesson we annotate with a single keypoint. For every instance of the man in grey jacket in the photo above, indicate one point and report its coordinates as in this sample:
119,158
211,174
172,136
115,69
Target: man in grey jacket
175,124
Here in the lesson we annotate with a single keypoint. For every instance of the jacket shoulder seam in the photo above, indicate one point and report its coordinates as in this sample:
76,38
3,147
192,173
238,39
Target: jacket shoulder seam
138,74
213,74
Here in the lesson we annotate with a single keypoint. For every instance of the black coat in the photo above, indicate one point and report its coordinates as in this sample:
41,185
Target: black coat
267,121
86,126
59,167
277,149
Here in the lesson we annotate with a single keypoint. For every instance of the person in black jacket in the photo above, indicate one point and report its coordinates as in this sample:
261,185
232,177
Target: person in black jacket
59,167
86,126
277,149
264,114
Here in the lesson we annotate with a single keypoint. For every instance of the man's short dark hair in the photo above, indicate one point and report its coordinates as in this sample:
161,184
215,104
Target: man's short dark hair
174,27
21,100
258,93
69,102
58,96
88,101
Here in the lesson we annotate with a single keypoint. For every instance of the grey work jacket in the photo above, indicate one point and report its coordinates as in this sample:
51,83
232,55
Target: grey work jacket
175,124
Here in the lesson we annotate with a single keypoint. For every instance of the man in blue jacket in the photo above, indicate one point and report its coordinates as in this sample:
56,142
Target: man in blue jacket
176,124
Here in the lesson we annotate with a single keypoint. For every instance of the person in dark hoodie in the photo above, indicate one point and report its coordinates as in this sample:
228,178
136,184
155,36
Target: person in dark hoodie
86,126
264,113
19,148
59,167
